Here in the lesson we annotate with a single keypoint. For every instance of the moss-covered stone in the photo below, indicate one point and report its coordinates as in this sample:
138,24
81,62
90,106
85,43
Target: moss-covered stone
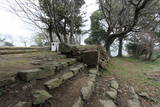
34,74
77,69
67,76
53,83
40,96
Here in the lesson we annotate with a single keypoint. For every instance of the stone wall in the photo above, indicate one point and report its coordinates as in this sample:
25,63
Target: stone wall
92,55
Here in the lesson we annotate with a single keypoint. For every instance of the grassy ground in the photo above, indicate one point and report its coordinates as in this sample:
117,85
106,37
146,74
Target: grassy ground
12,63
132,72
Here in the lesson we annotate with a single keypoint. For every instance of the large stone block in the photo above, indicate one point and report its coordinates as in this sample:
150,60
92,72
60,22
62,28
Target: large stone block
77,68
65,48
90,58
34,74
67,76
53,83
69,50
93,71
40,96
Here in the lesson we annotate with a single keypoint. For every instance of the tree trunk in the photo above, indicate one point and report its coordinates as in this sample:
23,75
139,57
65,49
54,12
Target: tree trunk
108,43
72,21
64,34
50,34
120,46
150,55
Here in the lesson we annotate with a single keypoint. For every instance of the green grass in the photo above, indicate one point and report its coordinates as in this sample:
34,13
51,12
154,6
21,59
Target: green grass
131,71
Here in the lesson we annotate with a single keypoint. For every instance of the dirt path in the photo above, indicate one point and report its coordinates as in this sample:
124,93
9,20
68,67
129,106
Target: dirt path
68,93
124,95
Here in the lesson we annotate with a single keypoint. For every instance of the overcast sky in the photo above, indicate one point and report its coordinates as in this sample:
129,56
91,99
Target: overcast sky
17,30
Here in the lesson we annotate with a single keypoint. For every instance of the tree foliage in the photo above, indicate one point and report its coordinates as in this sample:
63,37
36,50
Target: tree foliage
143,44
62,18
97,31
122,17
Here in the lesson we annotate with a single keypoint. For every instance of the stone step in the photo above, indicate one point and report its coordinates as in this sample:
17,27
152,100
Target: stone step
70,92
34,74
45,71
40,96
56,82
51,84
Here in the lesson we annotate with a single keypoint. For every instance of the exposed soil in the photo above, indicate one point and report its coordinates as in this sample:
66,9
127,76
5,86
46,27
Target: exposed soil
67,94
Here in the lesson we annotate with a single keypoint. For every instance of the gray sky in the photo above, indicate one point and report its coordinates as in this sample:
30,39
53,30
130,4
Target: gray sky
17,30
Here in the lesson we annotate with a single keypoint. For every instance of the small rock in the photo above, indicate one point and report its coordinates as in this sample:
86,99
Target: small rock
92,77
36,62
26,87
133,93
71,61
143,94
40,96
93,71
78,103
87,91
132,90
107,103
114,84
23,104
134,103
120,91
49,59
112,94
75,70
64,64
67,76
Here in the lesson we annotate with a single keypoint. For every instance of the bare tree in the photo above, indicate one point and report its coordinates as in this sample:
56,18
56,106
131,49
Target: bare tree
143,43
53,16
122,17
